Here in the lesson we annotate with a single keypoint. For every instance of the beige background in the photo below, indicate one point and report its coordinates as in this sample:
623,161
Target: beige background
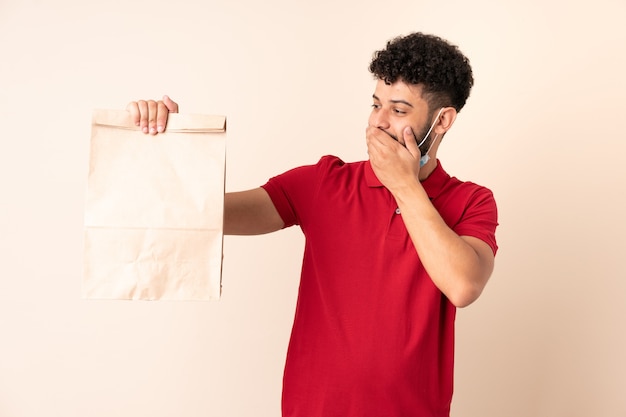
543,129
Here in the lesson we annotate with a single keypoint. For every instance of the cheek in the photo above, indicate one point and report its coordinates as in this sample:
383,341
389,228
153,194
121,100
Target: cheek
415,129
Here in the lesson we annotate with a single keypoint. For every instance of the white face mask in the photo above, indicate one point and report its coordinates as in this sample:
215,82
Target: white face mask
425,158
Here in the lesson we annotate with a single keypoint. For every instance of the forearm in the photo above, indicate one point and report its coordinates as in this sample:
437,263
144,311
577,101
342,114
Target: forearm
459,266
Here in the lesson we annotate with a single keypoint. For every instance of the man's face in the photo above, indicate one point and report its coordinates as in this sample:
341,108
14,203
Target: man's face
397,106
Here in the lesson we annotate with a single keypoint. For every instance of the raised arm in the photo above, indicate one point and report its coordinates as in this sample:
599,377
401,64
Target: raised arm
459,266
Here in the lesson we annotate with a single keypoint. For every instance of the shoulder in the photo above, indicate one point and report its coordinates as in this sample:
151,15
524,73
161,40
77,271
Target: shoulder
327,165
458,201
458,189
459,198
328,169
332,162
441,186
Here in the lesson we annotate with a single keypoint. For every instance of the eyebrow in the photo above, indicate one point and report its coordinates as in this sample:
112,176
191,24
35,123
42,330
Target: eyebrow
394,101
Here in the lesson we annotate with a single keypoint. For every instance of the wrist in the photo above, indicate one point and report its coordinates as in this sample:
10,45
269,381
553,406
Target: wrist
409,193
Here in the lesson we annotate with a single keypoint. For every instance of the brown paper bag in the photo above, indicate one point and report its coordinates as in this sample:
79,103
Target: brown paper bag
154,209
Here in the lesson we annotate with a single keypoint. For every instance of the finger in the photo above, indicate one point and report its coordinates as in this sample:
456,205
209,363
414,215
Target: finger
171,105
378,135
370,138
142,107
152,116
133,109
410,142
161,118
379,142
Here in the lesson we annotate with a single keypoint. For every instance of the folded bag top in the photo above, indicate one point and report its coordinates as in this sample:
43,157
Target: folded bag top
176,122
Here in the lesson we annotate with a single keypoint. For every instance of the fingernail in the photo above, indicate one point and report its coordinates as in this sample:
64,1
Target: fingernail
145,129
152,130
159,129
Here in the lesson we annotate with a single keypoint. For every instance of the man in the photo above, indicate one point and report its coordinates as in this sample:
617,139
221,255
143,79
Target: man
393,245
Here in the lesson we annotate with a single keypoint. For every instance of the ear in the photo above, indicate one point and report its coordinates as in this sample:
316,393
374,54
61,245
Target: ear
446,120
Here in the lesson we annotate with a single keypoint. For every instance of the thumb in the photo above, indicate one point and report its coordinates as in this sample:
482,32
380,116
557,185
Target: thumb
171,105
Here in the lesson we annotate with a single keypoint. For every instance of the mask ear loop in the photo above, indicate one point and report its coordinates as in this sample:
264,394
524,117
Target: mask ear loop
430,130
432,143
425,158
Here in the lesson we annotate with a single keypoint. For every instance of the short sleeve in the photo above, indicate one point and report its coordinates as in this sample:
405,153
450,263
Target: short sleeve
480,218
293,192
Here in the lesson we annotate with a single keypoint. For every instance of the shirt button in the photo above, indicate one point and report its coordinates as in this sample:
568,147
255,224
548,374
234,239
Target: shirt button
398,210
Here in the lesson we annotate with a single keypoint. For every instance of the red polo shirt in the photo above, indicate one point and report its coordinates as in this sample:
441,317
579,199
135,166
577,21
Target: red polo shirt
372,335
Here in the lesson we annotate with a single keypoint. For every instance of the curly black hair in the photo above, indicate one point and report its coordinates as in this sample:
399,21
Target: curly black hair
443,71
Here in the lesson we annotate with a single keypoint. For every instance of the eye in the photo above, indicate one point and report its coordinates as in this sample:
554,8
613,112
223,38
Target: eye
376,106
398,111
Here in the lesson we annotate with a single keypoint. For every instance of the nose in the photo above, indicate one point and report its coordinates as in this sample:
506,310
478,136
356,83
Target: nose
379,118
